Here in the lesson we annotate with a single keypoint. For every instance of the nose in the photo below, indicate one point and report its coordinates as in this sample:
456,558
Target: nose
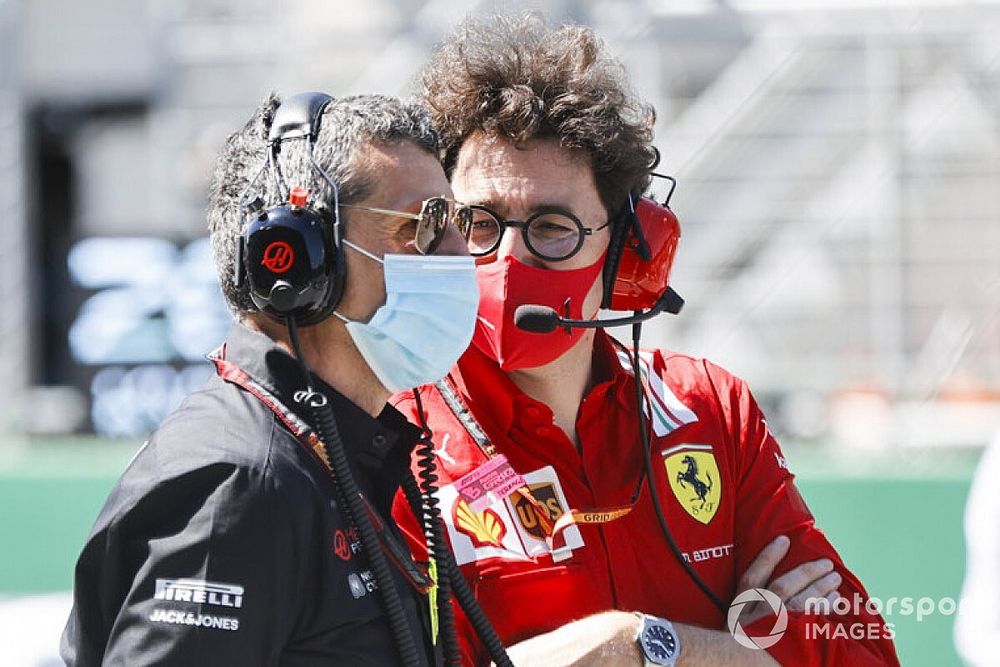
452,243
512,243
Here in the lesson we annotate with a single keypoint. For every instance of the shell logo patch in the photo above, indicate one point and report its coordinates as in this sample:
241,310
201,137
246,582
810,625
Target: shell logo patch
476,536
485,529
694,478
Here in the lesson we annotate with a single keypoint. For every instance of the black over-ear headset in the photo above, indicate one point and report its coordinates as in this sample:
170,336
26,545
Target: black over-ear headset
290,253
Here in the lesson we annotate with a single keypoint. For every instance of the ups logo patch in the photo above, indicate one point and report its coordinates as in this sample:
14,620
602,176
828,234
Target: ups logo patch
527,513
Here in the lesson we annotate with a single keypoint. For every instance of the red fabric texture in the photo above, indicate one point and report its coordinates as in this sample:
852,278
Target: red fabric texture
626,564
507,282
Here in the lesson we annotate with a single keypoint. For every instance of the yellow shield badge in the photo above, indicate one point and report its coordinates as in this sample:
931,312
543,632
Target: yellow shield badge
694,479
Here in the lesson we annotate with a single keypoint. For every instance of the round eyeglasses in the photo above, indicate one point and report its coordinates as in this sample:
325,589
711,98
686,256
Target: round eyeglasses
552,234
432,221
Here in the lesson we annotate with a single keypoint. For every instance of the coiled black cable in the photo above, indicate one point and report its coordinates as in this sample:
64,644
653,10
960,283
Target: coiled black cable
425,505
325,425
448,569
477,617
433,537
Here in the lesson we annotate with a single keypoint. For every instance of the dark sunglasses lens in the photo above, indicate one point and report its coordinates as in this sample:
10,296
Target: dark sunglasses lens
432,225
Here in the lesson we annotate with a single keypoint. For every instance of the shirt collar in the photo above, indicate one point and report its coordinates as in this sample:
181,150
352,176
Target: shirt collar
381,443
499,400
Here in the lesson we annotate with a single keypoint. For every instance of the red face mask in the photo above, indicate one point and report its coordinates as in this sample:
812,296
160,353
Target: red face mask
505,284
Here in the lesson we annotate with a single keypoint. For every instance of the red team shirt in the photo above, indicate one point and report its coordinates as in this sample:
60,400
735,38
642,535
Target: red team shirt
723,483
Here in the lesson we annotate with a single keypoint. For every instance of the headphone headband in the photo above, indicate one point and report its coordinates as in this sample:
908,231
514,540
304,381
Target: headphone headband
290,252
298,117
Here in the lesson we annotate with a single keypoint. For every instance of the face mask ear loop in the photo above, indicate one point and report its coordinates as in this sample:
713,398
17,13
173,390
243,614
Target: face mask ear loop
364,252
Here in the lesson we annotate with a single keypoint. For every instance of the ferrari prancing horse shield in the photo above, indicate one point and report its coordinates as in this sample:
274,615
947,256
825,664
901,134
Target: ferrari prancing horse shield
694,478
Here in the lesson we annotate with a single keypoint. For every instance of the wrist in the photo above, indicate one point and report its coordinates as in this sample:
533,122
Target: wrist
657,641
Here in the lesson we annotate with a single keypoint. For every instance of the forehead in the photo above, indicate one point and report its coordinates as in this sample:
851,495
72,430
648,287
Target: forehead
517,178
401,174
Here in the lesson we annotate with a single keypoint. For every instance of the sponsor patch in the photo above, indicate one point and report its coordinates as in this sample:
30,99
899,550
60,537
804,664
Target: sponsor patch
528,515
199,591
485,528
545,487
361,583
506,530
694,478
181,617
346,543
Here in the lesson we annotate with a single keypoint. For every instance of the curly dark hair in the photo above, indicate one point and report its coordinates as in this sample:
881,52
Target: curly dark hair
521,79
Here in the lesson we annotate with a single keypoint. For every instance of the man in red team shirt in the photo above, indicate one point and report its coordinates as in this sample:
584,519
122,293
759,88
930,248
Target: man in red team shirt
542,134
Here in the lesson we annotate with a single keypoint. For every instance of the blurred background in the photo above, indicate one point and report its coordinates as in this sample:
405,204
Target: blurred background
838,169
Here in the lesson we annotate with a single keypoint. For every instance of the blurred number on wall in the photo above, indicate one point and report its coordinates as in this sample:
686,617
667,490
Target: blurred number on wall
149,312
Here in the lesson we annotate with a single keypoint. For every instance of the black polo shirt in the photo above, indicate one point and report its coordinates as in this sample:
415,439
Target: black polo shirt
223,542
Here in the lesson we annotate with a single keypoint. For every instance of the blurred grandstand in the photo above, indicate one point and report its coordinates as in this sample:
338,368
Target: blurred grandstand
839,190
837,173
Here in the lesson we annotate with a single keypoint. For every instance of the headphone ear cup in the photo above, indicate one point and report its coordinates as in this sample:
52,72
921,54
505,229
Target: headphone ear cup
645,258
293,265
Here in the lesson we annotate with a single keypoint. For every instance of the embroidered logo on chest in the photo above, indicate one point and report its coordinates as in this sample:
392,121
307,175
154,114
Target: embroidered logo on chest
694,478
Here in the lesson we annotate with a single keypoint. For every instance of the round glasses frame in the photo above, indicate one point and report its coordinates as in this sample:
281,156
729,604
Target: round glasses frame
523,225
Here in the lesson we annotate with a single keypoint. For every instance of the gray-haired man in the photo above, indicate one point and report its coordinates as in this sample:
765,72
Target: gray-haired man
232,537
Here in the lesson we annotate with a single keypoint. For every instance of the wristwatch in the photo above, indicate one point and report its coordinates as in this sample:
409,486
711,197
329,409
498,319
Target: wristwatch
658,641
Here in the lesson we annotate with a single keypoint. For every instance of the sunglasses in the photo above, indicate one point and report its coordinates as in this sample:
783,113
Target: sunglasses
432,221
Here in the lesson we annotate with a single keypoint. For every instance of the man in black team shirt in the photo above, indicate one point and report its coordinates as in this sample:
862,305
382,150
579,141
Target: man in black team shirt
227,541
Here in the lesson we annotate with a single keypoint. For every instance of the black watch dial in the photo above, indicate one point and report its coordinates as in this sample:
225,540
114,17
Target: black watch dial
659,643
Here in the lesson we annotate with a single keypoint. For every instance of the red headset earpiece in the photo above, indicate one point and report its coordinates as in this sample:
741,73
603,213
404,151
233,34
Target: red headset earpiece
647,255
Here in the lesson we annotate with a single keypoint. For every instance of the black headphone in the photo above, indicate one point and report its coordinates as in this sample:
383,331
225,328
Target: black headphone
290,253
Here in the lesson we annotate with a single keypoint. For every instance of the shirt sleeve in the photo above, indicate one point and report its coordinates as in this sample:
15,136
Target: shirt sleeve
184,567
770,505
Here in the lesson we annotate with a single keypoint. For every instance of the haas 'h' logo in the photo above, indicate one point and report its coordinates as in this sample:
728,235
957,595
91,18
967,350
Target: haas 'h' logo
278,257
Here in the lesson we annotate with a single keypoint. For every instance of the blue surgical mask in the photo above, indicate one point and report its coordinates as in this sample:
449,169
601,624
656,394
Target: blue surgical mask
427,320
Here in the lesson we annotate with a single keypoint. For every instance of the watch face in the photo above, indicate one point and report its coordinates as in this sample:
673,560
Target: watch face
659,643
